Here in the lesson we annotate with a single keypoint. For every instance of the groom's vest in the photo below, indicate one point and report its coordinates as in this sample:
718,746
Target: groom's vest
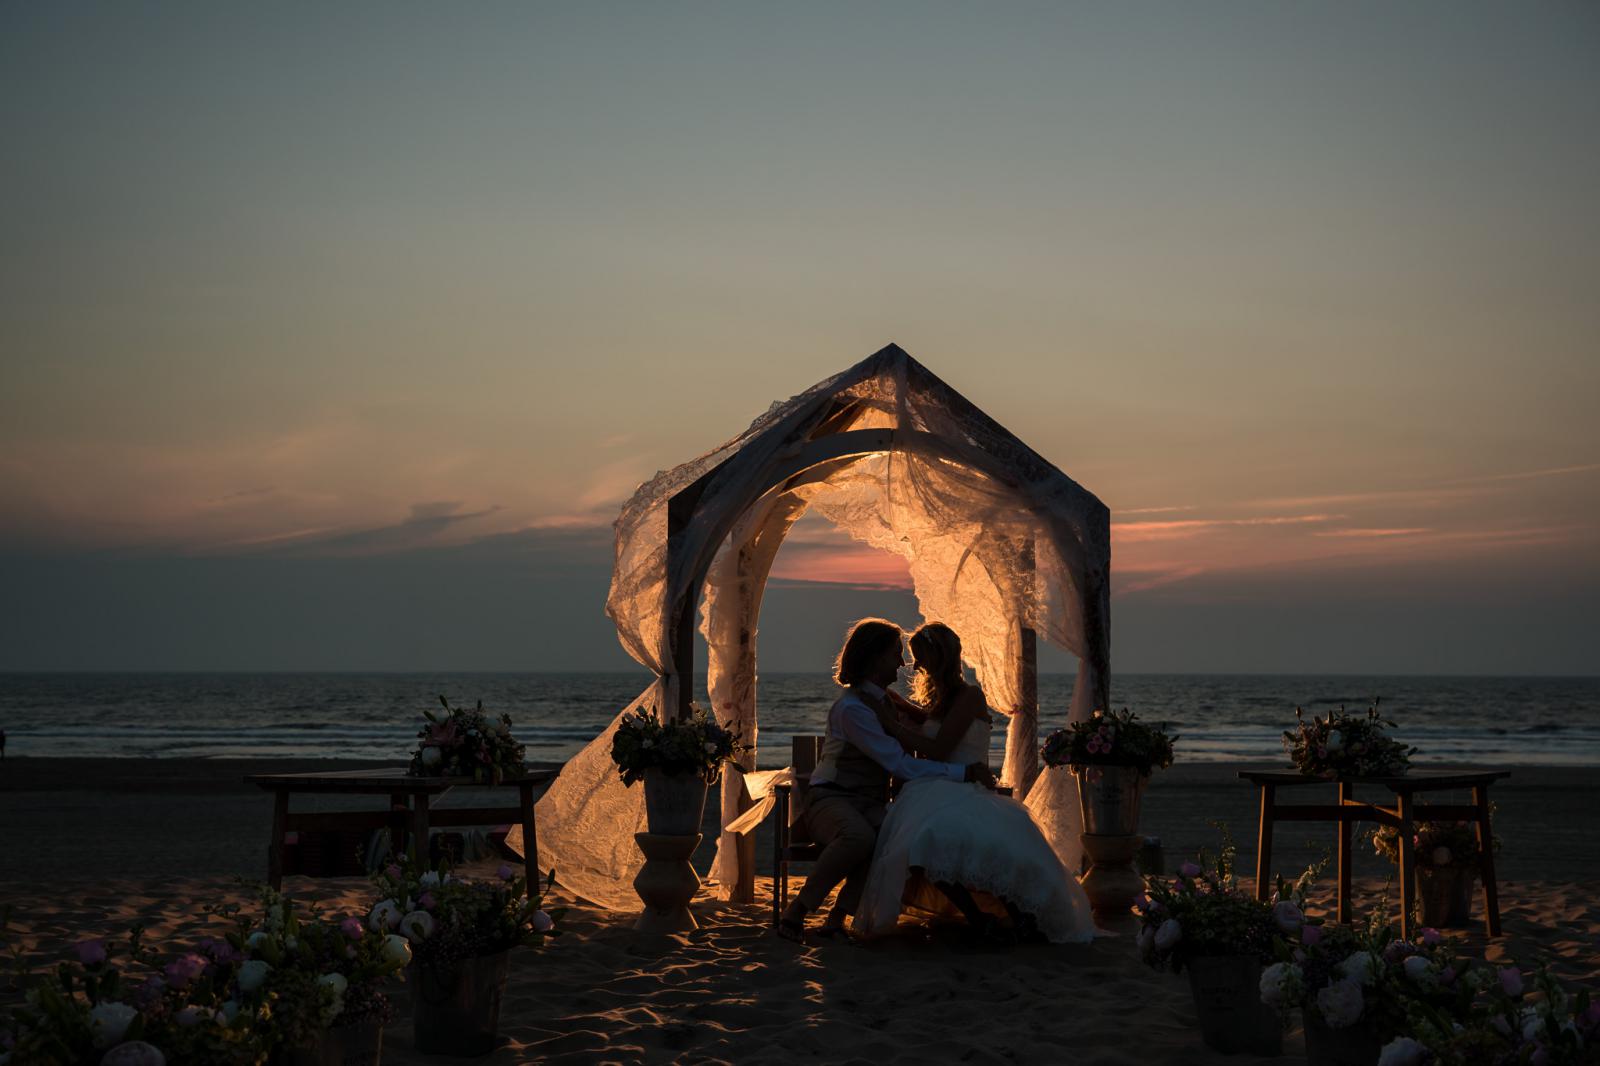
852,768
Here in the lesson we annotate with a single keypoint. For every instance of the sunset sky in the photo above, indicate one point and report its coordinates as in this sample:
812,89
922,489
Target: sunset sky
334,336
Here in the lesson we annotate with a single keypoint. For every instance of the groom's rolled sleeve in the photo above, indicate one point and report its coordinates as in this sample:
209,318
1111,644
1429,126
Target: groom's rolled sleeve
862,728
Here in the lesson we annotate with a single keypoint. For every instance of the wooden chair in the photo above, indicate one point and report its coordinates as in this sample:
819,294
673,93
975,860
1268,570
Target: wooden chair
790,841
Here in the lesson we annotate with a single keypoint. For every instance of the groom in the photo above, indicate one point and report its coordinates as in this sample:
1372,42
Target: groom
845,804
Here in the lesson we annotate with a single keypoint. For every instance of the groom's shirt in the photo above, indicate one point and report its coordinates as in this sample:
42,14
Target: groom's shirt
854,722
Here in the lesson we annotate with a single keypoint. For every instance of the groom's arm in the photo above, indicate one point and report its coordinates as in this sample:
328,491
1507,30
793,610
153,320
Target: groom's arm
861,727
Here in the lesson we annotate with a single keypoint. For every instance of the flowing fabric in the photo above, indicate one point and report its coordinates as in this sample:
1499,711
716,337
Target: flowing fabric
965,834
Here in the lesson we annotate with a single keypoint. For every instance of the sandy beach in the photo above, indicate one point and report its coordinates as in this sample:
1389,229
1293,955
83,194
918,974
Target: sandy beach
92,846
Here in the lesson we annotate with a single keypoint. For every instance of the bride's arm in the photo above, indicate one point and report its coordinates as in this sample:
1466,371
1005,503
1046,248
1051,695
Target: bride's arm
963,711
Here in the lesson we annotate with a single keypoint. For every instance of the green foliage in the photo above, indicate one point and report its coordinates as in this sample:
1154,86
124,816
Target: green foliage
1116,739
696,745
1346,745
463,743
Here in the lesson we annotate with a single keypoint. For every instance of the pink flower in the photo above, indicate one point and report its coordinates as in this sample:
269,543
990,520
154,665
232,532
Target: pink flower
1189,869
1431,936
1094,745
1310,935
185,968
91,952
392,870
542,922
1511,981
505,873
353,928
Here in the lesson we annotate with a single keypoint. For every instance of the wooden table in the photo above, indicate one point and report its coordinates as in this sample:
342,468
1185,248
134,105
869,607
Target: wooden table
410,801
1404,815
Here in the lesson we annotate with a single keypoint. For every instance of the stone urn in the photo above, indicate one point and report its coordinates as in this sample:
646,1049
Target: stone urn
1444,895
1109,797
674,804
456,1010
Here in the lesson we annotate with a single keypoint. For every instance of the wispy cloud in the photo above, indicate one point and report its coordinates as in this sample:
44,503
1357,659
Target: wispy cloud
1409,532
1526,475
1157,510
1177,529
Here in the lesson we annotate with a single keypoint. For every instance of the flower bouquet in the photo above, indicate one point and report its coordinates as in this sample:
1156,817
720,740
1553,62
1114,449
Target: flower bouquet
461,933
100,1011
1204,923
1512,1020
1345,745
1116,739
1447,862
695,745
305,983
464,743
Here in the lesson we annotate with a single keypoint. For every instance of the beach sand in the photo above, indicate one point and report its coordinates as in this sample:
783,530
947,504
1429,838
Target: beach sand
92,846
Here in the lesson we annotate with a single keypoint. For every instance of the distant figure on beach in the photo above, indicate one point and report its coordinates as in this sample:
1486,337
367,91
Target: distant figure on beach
956,844
845,803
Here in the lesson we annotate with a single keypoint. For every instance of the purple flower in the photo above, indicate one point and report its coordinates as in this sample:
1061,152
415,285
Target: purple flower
392,870
146,995
1511,981
426,901
1189,869
1397,950
353,928
185,968
91,952
1310,935
1431,936
505,872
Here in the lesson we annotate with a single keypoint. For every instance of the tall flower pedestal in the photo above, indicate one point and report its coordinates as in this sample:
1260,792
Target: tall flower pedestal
666,883
1109,797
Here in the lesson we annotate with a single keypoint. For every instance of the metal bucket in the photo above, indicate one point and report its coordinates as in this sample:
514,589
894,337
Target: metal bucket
351,1045
1109,797
1227,1000
1359,1045
1444,895
675,804
458,1012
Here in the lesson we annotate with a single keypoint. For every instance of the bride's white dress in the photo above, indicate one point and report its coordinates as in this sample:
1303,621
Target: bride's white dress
965,834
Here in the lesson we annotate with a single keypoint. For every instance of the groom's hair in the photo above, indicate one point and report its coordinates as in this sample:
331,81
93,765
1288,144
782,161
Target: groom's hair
867,639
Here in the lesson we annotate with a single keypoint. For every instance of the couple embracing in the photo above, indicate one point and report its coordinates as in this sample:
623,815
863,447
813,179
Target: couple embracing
948,842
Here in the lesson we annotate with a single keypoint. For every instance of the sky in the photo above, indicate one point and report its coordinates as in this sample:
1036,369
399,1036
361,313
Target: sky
334,336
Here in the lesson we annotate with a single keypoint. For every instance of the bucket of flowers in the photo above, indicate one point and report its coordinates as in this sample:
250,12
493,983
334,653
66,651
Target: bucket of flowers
115,1004
1344,745
1203,923
461,934
1448,860
311,988
463,743
1517,1017
1356,987
677,760
1112,756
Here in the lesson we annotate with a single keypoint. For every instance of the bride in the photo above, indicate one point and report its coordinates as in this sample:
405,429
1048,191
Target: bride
961,837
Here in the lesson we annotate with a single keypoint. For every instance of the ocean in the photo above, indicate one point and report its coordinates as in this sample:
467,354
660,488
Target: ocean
1221,718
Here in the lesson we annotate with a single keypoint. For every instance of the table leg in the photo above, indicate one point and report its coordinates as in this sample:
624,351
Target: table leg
1264,842
1408,864
399,815
530,840
1491,891
1345,791
419,832
280,822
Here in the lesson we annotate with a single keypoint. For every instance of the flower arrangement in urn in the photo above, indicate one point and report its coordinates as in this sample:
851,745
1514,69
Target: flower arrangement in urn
695,746
101,1009
463,743
1116,739
1437,844
1346,745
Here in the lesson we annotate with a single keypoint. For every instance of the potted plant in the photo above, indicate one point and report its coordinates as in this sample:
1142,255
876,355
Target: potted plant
461,934
1357,987
1447,863
1512,1019
677,761
1203,923
463,743
312,989
103,1010
1112,756
1344,745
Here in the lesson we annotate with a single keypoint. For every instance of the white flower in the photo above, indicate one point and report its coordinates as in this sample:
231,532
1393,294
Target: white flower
386,915
1281,985
1340,1003
255,939
1420,970
396,950
1441,856
417,926
429,879
230,1011
542,922
1402,1051
252,975
1363,966
336,981
1147,940
432,757
1287,917
1531,1023
108,1021
133,1053
1168,935
1336,738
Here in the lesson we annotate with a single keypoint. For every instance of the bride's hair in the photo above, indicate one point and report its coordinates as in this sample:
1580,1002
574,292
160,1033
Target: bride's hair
867,639
937,651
